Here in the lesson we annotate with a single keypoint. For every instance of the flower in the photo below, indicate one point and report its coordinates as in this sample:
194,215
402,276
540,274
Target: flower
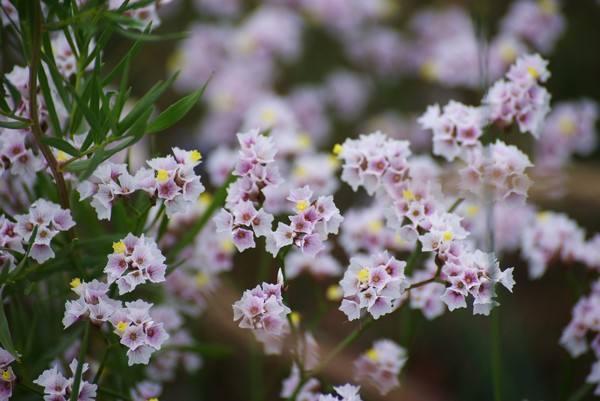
138,331
146,391
7,376
520,99
347,392
58,387
499,168
262,310
50,219
310,226
374,160
372,283
456,128
134,261
381,365
93,302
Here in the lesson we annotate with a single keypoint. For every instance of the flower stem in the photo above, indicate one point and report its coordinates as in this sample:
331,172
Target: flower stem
80,362
496,359
33,107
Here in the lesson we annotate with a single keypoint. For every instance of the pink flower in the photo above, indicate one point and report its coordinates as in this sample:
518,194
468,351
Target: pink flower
381,365
57,387
134,261
374,284
347,392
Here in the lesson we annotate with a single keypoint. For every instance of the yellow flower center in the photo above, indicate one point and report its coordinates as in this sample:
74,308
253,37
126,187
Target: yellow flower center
119,247
122,326
372,355
533,72
447,236
201,279
61,156
6,374
205,199
567,126
153,399
223,101
408,195
337,149
508,53
295,318
543,216
429,71
375,226
333,161
76,282
304,141
162,175
301,205
268,116
227,245
363,275
175,62
547,6
399,240
300,172
195,155
472,210
334,292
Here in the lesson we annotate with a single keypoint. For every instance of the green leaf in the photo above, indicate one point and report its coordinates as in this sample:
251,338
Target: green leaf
60,144
134,134
143,104
176,111
49,100
5,337
14,124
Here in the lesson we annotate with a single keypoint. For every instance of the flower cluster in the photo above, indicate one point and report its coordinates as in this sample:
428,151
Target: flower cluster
456,128
138,331
243,217
310,226
15,157
134,261
365,230
347,392
373,283
175,181
568,130
93,303
7,376
520,99
498,169
261,309
381,365
373,161
171,179
537,22
585,325
551,237
146,391
475,274
58,387
49,219
9,239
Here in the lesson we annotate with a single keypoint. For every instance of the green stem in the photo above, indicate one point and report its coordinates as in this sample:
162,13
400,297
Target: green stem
349,339
113,394
79,370
582,392
33,107
496,359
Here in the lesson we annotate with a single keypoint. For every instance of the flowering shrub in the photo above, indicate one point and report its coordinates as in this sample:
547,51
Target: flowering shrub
141,246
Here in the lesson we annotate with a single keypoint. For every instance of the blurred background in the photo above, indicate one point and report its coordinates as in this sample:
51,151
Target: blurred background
347,72
346,67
